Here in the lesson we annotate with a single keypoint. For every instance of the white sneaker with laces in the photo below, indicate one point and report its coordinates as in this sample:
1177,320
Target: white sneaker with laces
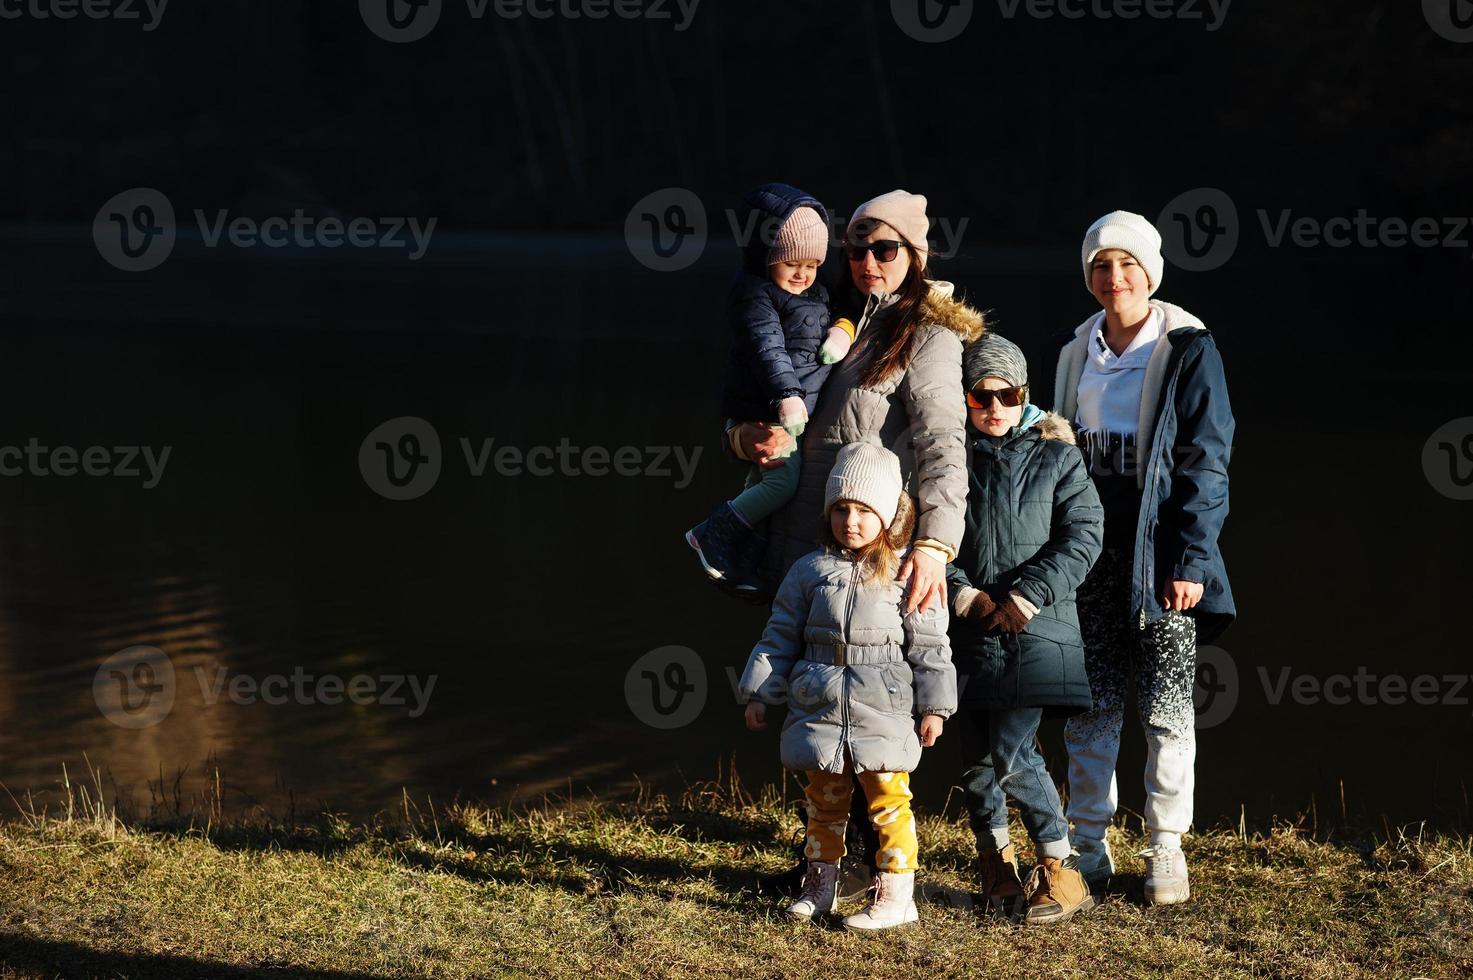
820,894
1166,875
893,904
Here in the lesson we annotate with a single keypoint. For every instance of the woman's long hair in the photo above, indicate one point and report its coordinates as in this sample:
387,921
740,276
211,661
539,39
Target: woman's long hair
896,329
880,559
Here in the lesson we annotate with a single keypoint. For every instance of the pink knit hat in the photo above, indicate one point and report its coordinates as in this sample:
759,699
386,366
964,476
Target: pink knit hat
901,210
802,236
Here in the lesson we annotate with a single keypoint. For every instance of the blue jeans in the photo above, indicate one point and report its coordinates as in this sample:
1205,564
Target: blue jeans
1000,752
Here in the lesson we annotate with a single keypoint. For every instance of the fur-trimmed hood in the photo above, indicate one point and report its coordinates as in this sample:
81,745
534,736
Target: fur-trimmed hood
1055,426
944,309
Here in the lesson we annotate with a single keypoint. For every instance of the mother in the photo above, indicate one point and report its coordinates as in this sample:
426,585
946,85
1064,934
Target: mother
900,387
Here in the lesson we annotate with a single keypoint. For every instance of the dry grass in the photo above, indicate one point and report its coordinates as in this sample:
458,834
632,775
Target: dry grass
655,887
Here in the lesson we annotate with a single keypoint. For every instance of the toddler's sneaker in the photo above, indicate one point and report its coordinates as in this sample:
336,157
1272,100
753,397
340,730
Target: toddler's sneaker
718,541
1166,875
820,894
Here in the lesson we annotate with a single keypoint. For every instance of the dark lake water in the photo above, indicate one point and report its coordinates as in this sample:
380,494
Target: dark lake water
484,639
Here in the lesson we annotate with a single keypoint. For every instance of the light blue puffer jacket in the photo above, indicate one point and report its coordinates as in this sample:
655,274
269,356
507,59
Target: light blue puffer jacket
854,671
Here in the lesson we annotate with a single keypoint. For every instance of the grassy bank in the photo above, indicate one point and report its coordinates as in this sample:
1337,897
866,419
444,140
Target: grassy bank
662,887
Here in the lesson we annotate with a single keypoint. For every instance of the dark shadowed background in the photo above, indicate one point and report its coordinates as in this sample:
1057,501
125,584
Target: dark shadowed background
501,635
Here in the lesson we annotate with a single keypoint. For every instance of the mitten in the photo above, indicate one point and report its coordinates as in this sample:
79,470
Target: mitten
793,415
837,343
1006,618
981,608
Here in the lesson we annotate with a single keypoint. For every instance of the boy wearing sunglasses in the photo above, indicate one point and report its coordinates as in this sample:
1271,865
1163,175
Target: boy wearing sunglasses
1034,526
783,346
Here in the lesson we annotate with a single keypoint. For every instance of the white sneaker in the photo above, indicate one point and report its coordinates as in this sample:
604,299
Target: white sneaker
893,904
1095,862
820,892
1166,875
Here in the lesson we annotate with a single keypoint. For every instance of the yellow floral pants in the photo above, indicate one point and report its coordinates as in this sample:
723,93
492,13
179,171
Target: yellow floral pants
888,795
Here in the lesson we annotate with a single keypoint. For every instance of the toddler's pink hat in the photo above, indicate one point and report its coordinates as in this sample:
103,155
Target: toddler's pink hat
803,236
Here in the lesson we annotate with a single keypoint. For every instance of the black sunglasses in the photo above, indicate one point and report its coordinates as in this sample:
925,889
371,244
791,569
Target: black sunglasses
883,251
980,397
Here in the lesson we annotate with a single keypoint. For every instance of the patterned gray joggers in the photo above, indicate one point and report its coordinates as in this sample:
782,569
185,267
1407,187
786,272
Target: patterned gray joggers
1162,660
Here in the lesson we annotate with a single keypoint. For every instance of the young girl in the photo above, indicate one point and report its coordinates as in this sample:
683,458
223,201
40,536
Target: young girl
1144,383
1033,531
854,670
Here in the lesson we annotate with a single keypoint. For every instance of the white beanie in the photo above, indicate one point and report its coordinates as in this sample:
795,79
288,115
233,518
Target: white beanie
867,474
1130,232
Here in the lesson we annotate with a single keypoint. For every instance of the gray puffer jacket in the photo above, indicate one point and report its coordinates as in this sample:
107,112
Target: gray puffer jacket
918,414
852,668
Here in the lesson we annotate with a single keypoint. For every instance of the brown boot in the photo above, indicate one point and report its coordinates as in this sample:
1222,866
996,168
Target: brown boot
1002,889
1056,890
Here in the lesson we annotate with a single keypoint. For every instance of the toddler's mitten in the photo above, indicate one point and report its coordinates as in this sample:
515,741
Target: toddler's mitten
793,415
837,343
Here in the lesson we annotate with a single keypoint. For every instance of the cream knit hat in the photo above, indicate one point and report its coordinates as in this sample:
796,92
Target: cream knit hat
868,474
1128,231
901,210
802,236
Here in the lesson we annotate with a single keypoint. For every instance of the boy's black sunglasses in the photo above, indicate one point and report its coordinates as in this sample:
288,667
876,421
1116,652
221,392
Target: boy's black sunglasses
883,251
980,397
